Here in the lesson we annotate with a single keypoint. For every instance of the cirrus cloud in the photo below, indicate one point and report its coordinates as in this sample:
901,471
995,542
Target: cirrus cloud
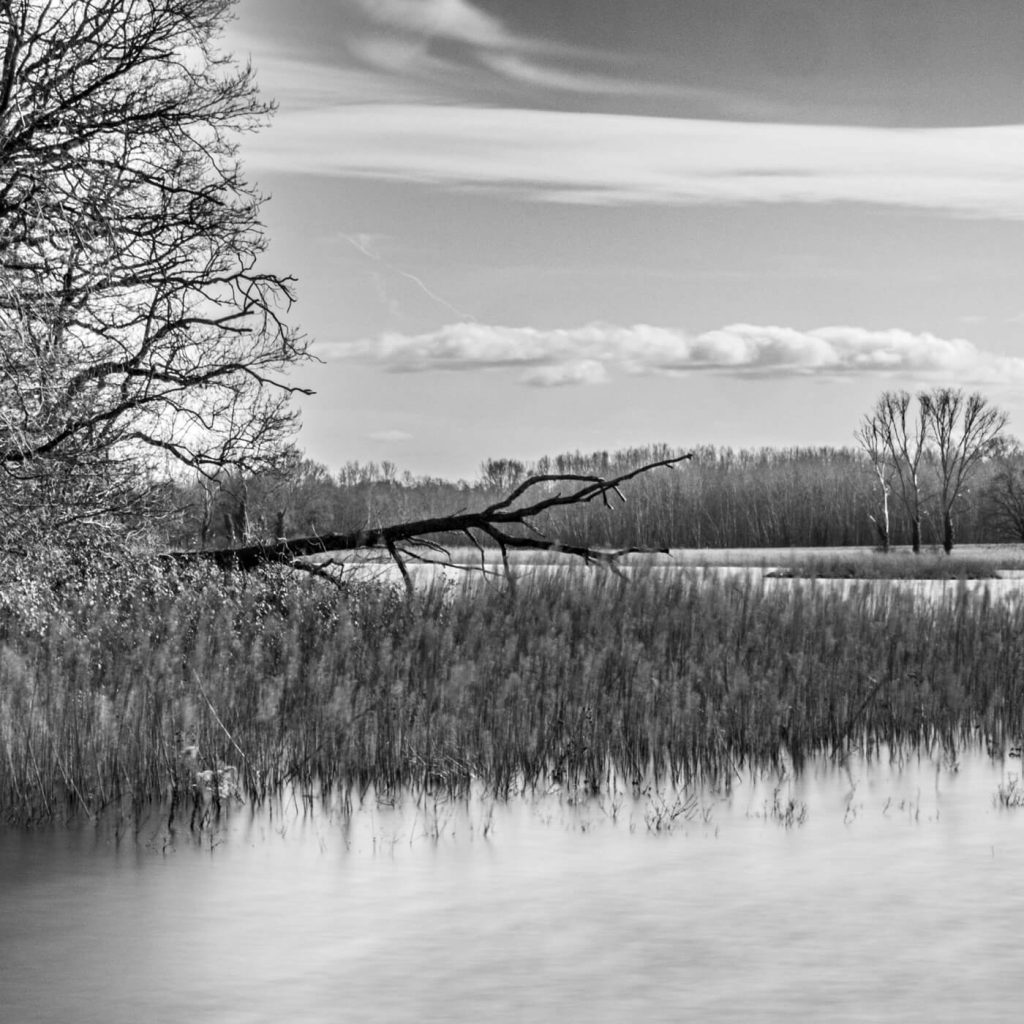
591,353
390,436
448,19
600,158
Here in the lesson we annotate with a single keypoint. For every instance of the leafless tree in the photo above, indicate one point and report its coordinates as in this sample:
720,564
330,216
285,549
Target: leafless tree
897,436
872,439
137,330
509,524
502,474
964,429
1004,495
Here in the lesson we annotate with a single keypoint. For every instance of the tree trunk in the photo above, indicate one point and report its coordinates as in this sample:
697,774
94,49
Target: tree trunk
947,532
883,528
883,534
915,534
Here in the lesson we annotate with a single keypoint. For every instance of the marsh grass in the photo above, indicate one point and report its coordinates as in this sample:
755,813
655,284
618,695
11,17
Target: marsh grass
666,812
149,690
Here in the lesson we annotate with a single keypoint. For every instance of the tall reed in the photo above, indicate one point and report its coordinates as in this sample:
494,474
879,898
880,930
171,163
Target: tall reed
139,689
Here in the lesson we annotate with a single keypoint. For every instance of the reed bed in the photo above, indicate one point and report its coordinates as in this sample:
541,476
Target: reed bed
137,689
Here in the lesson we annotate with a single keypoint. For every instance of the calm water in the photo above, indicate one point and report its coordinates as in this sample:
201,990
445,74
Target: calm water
900,897
1008,589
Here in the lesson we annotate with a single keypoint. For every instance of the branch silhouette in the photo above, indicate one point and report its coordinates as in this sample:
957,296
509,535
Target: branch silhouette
509,524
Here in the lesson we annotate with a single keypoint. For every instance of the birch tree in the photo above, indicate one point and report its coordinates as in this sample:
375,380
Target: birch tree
872,438
894,435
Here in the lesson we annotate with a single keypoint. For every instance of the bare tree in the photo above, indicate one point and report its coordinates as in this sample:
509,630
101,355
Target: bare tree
509,524
897,437
136,329
502,474
1004,495
872,439
965,429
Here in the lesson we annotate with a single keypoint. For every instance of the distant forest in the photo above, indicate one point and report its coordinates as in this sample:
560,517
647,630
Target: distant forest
765,497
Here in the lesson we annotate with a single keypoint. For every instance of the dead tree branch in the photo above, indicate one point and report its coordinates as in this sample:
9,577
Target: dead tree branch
497,522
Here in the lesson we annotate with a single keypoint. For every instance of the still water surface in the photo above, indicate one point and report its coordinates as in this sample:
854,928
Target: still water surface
900,897
1007,588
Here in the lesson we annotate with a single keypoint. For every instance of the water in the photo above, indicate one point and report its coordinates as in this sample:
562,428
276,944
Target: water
1009,588
900,897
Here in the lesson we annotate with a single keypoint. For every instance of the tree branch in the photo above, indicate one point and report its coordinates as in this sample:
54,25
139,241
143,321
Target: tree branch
493,522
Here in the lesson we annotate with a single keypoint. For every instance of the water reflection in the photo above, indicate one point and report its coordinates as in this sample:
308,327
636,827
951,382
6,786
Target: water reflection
1008,587
898,898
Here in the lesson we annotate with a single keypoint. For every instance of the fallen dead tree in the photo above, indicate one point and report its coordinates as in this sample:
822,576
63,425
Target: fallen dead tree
508,525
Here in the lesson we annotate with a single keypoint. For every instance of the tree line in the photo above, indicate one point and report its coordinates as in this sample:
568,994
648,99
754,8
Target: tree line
722,497
927,450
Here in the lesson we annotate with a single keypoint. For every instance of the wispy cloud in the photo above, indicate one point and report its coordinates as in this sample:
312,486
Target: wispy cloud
390,436
366,245
299,83
398,32
449,19
589,354
574,371
619,159
540,76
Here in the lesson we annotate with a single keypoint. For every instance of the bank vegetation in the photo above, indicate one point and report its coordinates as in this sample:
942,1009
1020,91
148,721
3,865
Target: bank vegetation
181,691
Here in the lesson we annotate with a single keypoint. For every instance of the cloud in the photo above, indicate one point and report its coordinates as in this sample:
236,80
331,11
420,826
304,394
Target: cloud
517,69
589,354
598,158
449,19
299,83
401,30
578,371
390,435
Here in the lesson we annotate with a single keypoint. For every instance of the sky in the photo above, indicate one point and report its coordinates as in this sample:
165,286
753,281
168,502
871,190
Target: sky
522,228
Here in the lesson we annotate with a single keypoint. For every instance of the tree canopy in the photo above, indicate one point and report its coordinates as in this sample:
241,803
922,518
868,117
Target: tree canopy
931,451
137,327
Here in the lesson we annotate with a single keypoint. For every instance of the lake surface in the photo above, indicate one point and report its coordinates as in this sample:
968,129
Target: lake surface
870,893
1009,587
